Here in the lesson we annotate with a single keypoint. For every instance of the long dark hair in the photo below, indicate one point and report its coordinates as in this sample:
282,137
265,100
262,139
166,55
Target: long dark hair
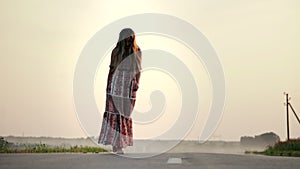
126,46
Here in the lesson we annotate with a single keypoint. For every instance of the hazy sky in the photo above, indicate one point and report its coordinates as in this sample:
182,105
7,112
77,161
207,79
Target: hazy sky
257,42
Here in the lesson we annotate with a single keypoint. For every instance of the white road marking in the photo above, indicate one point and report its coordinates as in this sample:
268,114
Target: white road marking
174,161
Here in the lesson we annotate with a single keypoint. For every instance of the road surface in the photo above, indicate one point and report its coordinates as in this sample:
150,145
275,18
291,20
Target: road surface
163,161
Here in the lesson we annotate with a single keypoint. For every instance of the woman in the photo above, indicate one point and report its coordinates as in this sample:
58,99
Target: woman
122,85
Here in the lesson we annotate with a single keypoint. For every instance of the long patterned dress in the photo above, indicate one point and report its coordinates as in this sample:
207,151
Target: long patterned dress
122,85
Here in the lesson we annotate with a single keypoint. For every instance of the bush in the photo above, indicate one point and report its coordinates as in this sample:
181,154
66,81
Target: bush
3,143
285,148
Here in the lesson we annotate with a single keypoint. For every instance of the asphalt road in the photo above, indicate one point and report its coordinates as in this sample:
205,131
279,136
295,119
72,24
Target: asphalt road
111,161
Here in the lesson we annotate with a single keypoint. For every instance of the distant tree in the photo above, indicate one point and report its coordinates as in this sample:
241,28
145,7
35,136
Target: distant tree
268,138
264,139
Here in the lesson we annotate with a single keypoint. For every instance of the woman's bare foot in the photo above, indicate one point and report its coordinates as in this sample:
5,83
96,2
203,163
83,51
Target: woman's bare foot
120,150
115,149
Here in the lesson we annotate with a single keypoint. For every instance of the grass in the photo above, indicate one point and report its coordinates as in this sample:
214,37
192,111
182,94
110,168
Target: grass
7,147
282,148
43,148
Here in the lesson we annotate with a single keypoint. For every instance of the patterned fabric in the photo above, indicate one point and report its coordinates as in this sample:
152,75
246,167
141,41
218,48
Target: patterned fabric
122,85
